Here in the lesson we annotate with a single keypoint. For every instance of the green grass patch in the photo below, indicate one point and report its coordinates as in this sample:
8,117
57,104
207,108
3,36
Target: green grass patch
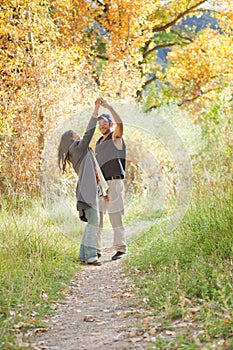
134,208
188,274
36,265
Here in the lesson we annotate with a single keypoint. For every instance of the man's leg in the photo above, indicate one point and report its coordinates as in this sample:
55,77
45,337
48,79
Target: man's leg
119,241
116,213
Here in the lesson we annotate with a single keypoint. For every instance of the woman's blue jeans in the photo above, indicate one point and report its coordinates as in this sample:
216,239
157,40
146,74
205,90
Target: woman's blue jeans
87,251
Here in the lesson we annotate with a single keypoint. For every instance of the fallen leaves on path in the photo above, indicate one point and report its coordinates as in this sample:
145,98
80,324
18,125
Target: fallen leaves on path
102,310
88,318
193,310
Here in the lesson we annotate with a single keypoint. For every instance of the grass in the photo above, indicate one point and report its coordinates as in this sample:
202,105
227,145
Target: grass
36,264
184,276
188,274
134,208
38,258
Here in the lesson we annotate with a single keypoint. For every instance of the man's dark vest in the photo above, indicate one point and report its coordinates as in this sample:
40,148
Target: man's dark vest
110,158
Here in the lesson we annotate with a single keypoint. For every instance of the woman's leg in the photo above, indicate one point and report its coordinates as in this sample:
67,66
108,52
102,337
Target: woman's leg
88,250
100,233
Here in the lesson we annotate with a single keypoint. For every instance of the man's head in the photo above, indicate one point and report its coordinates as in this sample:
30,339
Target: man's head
105,123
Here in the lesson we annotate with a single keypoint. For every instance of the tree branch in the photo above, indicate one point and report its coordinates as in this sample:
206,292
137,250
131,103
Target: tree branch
105,9
181,15
149,81
150,108
102,57
156,48
170,24
181,36
190,99
196,97
139,92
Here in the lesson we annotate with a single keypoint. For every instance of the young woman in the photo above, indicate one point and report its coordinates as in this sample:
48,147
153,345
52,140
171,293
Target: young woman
76,151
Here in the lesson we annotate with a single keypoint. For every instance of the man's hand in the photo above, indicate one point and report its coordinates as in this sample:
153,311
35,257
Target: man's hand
104,103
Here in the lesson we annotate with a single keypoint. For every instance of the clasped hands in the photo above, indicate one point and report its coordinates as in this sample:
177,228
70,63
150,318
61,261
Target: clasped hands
101,102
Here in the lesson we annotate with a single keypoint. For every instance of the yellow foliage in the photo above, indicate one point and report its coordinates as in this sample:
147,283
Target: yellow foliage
202,66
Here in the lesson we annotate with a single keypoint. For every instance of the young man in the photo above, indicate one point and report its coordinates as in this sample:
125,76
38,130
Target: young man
111,154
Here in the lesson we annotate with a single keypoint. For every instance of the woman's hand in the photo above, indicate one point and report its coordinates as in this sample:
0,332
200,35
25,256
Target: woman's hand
97,106
106,198
98,101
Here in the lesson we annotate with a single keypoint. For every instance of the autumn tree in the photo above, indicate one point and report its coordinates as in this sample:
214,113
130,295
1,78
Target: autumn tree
37,72
132,33
200,69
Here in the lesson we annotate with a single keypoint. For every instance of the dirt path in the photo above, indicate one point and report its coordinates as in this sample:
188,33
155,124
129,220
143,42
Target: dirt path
100,311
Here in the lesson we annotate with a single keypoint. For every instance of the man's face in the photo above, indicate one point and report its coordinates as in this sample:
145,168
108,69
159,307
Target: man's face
104,126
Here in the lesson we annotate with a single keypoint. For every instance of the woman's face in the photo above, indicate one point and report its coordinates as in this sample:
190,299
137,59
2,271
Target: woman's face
76,136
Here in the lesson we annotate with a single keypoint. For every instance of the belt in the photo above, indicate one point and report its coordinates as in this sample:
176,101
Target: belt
115,177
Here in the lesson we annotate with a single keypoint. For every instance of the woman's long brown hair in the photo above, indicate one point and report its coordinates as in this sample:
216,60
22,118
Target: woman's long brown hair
63,150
